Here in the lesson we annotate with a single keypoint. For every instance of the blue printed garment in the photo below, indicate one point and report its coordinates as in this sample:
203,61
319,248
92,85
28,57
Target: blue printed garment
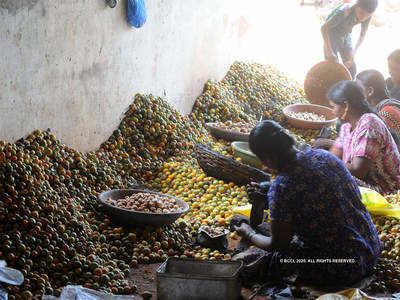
322,201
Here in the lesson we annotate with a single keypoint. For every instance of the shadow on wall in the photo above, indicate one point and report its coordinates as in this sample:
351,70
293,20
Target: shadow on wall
13,6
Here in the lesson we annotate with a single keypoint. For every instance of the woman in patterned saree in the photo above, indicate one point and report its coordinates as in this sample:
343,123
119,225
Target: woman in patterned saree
365,144
320,230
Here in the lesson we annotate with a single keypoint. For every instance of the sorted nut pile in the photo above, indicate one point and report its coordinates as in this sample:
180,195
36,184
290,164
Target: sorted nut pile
146,202
307,116
241,127
213,231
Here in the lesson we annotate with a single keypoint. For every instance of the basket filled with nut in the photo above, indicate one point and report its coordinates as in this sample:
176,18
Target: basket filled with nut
142,207
309,116
231,131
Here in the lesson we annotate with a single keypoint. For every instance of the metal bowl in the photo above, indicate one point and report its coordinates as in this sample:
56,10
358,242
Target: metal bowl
227,135
132,217
310,108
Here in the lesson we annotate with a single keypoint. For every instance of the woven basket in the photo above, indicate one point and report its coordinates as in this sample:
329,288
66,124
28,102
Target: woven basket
226,169
320,78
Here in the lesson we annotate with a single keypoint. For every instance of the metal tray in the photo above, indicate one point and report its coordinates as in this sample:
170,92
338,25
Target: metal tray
131,217
190,279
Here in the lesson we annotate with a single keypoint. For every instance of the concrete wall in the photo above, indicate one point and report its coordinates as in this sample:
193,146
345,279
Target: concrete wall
74,65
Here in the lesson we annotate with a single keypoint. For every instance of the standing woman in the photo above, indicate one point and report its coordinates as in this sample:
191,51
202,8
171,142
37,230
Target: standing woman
337,29
364,144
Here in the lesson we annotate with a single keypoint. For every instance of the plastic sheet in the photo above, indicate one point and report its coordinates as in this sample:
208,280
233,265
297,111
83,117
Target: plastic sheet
376,204
76,292
10,275
276,293
245,210
351,294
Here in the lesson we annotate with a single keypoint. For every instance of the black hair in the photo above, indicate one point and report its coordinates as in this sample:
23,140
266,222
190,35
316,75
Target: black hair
395,56
351,92
374,79
368,5
269,138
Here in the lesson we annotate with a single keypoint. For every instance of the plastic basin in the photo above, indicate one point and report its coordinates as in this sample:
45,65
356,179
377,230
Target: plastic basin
242,150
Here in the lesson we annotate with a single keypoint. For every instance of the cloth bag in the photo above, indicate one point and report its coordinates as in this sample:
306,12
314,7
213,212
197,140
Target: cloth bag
136,13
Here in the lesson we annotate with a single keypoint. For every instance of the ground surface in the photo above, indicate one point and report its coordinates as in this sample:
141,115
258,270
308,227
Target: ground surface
144,277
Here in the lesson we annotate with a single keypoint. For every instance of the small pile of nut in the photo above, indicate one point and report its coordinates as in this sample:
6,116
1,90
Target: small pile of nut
307,116
213,231
145,202
241,127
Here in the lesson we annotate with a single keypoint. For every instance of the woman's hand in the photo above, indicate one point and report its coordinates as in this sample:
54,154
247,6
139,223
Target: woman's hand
268,170
322,143
255,184
281,235
243,230
360,167
331,57
350,61
337,152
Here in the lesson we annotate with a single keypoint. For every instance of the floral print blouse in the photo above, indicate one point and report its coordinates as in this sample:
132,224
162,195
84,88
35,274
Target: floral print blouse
371,139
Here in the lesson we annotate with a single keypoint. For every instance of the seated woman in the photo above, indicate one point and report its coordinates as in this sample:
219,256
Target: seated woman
378,97
319,227
364,144
393,82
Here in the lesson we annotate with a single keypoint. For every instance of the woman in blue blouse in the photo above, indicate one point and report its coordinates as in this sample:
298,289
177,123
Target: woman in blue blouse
319,226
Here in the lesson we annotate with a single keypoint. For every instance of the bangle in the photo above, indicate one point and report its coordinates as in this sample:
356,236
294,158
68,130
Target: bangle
251,234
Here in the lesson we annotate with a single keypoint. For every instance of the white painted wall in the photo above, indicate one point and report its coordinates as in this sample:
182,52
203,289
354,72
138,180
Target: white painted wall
74,65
